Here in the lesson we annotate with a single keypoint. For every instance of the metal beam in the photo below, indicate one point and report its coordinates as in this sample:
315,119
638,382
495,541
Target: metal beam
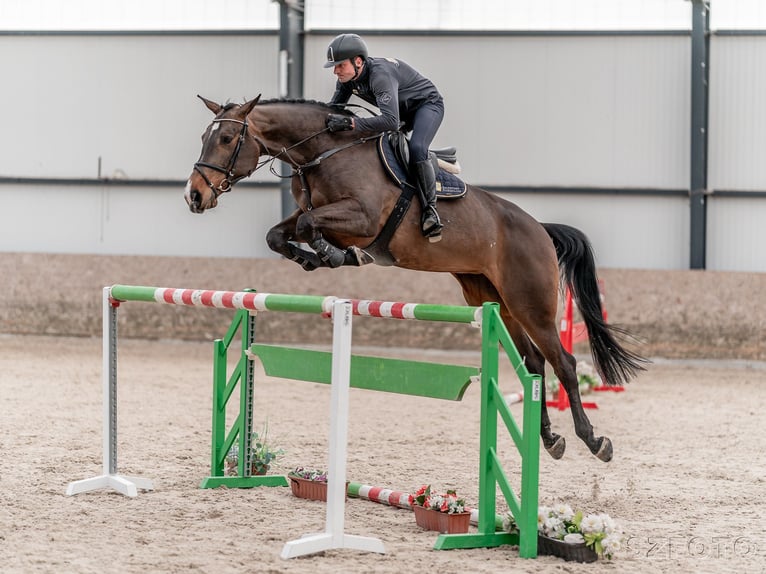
699,131
291,52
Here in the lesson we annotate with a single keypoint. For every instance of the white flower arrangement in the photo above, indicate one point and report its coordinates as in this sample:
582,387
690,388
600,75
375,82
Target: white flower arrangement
597,531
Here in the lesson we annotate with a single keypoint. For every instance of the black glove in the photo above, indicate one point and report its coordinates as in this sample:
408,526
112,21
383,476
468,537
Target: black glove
339,123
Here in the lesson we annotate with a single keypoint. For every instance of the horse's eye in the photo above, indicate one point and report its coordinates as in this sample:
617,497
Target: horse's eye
226,140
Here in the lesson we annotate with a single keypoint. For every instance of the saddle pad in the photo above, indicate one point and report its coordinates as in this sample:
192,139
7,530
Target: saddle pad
448,185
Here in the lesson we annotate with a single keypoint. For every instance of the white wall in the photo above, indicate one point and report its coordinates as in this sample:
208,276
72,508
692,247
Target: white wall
587,111
134,221
638,232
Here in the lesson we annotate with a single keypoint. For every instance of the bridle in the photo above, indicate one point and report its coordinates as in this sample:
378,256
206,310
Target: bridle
298,169
228,181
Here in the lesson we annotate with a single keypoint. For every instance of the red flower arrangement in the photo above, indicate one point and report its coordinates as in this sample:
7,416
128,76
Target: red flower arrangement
448,502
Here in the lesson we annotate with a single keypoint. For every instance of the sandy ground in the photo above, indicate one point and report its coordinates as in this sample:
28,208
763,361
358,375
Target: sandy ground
686,484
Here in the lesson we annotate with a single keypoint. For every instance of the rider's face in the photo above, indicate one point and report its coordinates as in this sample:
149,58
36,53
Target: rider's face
344,71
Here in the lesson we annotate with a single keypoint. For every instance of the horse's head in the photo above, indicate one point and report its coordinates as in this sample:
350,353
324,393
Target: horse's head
230,152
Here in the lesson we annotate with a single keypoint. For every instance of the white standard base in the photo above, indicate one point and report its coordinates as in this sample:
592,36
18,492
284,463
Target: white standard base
126,485
334,536
313,543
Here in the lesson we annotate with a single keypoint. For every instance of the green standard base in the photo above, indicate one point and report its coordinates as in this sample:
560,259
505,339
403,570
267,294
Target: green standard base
479,540
244,481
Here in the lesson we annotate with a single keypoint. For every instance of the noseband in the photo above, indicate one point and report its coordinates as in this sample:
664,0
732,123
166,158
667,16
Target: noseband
228,171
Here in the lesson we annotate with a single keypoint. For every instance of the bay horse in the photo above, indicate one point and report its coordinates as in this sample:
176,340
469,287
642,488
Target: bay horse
495,250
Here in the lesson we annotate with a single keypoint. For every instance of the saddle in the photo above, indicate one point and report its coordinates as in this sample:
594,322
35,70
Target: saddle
394,152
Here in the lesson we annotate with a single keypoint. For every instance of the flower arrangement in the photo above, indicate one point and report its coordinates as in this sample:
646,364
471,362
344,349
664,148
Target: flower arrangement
597,531
587,378
311,474
262,454
448,502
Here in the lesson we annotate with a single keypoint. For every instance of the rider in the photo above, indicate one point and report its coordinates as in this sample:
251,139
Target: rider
401,94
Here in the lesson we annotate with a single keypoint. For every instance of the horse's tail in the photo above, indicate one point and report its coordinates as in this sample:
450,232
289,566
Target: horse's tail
577,266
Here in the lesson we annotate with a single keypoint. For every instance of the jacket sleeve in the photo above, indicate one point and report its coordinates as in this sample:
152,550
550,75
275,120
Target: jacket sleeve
385,88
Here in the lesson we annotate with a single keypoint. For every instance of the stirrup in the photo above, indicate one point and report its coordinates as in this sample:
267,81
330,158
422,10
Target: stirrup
434,231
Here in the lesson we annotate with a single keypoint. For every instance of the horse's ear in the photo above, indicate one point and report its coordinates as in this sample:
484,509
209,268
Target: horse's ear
212,106
247,107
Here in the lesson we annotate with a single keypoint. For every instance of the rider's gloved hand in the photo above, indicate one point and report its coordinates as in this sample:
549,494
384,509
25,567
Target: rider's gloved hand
339,123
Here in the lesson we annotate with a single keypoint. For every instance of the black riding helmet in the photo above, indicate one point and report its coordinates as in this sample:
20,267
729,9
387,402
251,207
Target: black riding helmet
345,47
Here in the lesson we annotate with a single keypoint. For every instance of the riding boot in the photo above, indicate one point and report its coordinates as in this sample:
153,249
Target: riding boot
430,223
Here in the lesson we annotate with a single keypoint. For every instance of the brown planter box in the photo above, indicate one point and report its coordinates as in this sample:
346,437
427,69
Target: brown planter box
441,521
309,489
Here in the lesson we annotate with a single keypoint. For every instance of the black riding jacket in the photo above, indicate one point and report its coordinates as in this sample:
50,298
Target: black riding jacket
395,87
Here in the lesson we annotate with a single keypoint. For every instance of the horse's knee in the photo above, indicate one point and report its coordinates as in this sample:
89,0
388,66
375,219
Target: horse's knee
277,240
274,239
305,229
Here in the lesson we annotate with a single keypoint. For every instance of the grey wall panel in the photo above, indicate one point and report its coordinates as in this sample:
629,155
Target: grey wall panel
736,238
571,111
604,111
737,139
134,220
130,100
637,232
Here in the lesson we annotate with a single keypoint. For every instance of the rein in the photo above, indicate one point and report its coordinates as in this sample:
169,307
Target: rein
300,169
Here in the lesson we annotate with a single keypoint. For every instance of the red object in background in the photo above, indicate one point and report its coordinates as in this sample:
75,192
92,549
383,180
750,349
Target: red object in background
567,336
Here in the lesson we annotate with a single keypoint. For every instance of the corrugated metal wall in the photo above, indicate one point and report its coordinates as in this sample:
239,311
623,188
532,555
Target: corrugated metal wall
128,103
737,147
737,113
595,112
599,111
128,99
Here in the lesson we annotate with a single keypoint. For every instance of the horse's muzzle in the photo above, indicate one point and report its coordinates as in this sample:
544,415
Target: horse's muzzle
196,200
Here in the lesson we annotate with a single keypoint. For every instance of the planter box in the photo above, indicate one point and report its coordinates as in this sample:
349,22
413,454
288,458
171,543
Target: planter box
571,552
309,489
441,521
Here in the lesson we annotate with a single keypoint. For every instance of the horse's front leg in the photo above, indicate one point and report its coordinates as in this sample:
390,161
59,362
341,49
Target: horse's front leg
343,217
280,237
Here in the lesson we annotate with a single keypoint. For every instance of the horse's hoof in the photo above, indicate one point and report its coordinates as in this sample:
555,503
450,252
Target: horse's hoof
604,451
556,450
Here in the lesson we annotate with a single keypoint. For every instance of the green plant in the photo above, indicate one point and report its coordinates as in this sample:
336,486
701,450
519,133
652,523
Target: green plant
311,474
262,454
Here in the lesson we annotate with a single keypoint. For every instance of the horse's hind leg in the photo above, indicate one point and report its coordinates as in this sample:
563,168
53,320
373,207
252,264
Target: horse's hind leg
476,290
534,307
547,339
554,443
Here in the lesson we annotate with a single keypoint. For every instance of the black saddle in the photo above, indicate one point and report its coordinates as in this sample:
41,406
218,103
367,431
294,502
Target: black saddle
394,152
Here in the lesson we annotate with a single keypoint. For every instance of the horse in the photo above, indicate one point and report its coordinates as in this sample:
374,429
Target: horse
495,250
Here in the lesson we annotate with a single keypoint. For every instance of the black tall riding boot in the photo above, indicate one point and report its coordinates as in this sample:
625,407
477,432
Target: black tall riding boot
430,223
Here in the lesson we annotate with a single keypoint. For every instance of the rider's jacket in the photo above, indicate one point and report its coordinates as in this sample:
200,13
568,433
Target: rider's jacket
395,87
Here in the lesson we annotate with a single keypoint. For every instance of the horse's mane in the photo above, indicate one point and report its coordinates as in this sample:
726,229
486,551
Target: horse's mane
325,106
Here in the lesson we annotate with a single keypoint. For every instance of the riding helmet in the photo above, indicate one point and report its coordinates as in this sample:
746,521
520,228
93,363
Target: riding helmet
345,47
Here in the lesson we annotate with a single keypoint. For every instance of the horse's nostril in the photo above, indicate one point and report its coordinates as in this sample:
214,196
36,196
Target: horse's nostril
196,197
